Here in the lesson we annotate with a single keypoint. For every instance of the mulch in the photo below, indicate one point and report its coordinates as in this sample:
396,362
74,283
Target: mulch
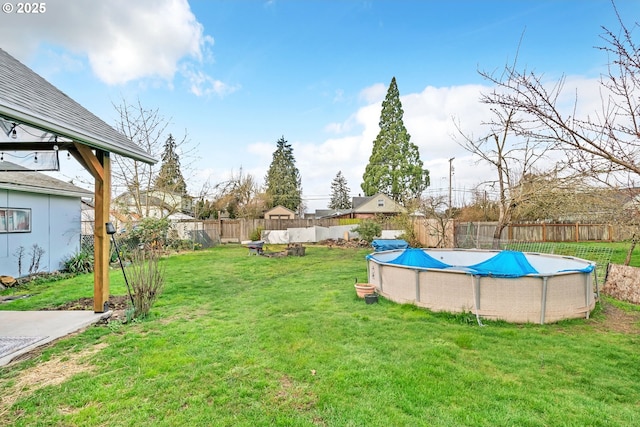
119,302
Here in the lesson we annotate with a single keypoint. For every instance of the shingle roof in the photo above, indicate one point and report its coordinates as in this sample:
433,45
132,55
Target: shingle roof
356,202
27,98
36,182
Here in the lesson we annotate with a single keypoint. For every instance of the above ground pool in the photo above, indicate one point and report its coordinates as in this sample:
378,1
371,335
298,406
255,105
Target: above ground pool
519,287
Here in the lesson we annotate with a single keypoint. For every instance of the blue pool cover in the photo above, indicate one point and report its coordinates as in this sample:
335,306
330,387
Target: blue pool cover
504,264
388,244
418,258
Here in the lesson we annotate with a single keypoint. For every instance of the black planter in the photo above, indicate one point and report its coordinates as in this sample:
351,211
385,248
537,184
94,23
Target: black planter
371,298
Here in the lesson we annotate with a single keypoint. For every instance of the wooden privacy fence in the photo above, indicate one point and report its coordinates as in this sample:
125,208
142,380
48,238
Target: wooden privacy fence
469,234
429,232
560,232
238,230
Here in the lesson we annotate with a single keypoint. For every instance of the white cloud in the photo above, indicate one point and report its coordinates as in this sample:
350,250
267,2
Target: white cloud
201,84
122,40
373,93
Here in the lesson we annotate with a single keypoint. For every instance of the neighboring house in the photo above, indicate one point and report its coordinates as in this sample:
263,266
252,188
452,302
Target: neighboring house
120,220
89,218
175,202
158,204
279,212
365,207
39,222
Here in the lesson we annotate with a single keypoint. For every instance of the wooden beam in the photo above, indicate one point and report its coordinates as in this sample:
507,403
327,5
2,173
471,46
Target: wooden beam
76,155
102,165
90,161
33,146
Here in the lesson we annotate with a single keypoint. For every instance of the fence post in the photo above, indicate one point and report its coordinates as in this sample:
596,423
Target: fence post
610,233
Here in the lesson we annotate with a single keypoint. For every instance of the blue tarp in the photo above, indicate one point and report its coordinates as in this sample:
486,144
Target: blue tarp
504,264
418,258
388,244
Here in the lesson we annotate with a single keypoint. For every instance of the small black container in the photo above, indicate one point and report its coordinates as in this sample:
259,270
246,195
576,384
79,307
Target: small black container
371,298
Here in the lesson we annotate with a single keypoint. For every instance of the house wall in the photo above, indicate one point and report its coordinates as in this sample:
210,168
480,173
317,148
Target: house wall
372,207
55,228
279,212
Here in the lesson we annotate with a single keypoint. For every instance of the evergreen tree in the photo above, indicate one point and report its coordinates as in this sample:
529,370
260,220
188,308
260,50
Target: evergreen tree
283,182
394,168
170,178
340,193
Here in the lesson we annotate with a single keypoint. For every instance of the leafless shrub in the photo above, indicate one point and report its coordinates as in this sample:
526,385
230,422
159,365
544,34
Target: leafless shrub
146,277
36,253
19,253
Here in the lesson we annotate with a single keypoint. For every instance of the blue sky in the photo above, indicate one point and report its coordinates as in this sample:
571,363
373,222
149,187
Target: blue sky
238,75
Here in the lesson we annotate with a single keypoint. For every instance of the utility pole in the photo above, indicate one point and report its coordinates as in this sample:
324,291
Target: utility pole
450,180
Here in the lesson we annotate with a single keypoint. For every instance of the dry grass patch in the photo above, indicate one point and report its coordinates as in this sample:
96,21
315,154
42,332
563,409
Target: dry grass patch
295,395
50,373
618,320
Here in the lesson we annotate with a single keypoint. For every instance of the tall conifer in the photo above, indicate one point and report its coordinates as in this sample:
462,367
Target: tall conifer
283,182
394,168
340,198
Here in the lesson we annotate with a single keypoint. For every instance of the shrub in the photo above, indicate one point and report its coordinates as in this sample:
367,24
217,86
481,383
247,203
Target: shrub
184,245
405,222
368,230
256,234
149,233
146,278
80,263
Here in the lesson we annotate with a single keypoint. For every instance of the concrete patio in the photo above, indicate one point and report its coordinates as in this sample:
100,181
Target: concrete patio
22,331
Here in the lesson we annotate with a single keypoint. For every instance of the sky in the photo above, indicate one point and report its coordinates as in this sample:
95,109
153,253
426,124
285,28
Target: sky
236,76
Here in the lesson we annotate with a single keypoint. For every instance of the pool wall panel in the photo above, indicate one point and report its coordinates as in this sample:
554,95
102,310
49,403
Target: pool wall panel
527,299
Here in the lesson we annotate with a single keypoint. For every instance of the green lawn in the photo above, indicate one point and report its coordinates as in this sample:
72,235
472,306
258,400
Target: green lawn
239,340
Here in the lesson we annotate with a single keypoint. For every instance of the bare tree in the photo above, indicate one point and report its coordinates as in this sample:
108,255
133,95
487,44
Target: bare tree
148,129
241,196
438,220
602,145
513,159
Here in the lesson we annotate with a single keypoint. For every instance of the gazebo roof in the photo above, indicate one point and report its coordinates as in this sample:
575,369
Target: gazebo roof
28,99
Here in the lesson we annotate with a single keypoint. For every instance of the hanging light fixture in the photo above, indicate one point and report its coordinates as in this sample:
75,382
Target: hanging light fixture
12,131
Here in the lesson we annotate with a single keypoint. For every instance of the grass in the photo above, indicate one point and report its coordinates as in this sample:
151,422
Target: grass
254,341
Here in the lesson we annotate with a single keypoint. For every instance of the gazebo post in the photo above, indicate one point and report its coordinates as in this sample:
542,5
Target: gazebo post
101,239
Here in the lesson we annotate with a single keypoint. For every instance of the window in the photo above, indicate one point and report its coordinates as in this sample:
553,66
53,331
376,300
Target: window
15,220
380,203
